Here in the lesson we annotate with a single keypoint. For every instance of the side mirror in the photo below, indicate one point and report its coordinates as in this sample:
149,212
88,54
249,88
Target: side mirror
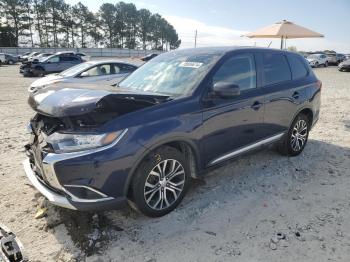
84,74
226,89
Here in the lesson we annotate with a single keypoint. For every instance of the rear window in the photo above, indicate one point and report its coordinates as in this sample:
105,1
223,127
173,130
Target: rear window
298,67
276,69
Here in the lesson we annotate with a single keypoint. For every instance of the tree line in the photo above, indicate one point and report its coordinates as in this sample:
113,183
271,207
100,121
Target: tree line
55,23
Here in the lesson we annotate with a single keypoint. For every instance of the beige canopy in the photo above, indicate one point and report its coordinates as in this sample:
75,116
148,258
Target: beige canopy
283,30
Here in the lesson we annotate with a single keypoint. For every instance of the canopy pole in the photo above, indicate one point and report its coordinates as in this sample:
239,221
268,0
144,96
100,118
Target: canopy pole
281,42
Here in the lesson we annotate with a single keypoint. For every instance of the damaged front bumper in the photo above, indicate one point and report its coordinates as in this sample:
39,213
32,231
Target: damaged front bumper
51,195
73,186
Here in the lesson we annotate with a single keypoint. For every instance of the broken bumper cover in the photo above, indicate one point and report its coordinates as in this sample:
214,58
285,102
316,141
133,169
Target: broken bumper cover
52,196
67,200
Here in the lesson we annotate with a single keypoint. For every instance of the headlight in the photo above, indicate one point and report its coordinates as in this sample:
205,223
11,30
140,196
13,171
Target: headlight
64,143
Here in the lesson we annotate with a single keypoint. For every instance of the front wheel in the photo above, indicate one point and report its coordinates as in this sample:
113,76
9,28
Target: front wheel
295,140
160,182
326,64
39,72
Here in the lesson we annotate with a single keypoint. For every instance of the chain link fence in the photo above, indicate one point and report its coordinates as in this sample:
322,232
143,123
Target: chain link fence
92,52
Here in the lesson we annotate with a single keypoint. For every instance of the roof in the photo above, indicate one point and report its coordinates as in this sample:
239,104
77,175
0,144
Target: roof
97,62
221,50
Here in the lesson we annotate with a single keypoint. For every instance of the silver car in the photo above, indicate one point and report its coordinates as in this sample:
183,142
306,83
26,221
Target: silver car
92,72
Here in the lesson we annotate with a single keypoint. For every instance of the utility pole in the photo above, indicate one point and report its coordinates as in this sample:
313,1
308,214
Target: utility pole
195,39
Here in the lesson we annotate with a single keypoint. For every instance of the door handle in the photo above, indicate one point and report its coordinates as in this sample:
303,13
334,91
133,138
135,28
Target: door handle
256,106
295,95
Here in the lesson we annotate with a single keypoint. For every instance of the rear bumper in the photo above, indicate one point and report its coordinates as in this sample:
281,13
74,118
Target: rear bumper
65,200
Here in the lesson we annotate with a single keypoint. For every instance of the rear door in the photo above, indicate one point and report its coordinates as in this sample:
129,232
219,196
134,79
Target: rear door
230,124
282,95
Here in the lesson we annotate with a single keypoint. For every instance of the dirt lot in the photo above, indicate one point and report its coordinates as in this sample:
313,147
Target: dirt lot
262,207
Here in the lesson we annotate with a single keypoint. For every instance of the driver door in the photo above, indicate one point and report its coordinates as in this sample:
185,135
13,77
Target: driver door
52,64
233,123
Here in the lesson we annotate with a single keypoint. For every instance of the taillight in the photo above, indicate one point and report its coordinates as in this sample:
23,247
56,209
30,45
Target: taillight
319,84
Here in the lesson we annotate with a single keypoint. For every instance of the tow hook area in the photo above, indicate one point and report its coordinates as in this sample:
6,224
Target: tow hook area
11,249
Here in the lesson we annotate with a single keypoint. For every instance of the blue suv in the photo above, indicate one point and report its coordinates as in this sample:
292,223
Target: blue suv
175,117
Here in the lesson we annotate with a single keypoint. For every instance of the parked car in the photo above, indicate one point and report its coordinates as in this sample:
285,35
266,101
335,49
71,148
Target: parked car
341,57
39,57
316,60
334,58
149,57
344,66
23,56
51,64
2,58
101,72
175,117
11,59
26,58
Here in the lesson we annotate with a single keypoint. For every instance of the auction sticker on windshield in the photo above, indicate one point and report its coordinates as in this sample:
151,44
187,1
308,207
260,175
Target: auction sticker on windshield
191,64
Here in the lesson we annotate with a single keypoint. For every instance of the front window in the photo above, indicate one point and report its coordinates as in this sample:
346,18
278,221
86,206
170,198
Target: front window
99,70
72,71
239,70
173,73
54,59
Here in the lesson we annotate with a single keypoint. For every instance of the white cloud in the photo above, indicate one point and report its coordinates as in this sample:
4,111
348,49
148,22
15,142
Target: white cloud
223,36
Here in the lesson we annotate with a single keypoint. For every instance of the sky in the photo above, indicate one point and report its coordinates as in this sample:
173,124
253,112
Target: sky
223,22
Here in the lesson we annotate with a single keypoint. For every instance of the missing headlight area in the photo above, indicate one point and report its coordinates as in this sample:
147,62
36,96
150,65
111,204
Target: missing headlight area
11,249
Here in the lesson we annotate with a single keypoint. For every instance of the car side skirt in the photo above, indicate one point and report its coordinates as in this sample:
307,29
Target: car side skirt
246,149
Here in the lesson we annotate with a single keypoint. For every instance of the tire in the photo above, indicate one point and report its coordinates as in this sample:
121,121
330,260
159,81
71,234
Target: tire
156,193
39,71
10,62
292,145
316,64
326,64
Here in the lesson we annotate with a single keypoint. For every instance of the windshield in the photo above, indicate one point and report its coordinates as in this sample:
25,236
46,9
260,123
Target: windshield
173,73
75,70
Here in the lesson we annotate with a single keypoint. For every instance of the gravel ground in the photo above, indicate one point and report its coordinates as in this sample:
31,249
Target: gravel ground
261,207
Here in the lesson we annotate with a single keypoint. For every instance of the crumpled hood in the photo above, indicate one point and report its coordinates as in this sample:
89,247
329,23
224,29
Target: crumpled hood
61,102
47,80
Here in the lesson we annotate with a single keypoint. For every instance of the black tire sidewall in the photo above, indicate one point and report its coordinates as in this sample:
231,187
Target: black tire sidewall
288,146
142,172
39,71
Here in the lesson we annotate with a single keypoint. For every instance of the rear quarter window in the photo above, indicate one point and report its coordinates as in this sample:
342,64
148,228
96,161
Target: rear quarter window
297,66
275,68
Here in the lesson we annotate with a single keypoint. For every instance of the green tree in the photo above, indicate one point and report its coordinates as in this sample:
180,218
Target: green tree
14,11
84,21
145,26
107,15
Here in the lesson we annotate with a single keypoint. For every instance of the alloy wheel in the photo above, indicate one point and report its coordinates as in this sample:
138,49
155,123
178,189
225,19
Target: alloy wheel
164,184
299,135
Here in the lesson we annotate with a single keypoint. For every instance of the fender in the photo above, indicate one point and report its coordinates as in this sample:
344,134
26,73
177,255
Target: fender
159,143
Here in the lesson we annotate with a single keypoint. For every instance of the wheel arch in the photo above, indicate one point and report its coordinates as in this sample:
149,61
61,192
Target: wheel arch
184,145
306,111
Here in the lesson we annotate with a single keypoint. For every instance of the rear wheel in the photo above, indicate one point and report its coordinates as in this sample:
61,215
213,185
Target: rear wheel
160,182
295,140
